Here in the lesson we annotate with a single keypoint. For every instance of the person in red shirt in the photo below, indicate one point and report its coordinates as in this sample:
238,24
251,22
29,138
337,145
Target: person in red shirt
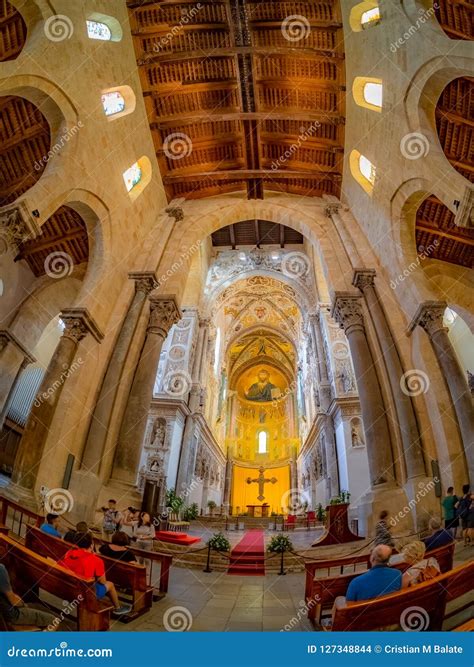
82,561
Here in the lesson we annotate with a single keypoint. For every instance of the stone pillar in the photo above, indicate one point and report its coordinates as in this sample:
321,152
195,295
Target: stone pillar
145,282
227,484
347,311
78,323
14,358
182,480
164,313
331,457
429,316
410,434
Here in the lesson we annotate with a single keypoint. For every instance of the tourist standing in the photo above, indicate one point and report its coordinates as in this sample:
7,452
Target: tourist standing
144,534
462,510
129,521
451,521
111,520
382,531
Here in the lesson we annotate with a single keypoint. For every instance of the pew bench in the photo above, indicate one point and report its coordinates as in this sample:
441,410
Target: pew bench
30,572
128,576
320,592
396,609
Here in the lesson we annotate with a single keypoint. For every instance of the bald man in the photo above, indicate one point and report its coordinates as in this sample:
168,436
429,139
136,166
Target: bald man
381,579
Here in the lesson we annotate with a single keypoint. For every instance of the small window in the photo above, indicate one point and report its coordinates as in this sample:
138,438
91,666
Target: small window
113,103
97,30
368,92
373,94
362,170
370,17
262,442
132,176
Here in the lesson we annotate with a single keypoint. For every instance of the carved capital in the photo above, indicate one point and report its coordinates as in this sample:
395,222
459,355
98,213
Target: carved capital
145,281
364,278
347,311
429,317
17,225
332,209
164,312
175,212
78,323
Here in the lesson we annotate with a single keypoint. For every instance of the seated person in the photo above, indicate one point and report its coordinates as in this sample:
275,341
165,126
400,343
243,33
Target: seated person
421,568
16,612
118,548
381,579
51,525
71,534
439,537
83,562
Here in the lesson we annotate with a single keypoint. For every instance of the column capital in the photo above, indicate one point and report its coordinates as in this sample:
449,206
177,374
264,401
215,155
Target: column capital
145,281
7,337
347,311
164,312
175,212
332,208
19,224
204,321
364,278
78,323
429,316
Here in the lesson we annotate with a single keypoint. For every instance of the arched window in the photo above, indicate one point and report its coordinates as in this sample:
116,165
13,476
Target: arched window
364,15
368,92
137,177
113,103
103,27
362,170
262,442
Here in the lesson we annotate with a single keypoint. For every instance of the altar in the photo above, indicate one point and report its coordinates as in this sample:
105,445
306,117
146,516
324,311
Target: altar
258,510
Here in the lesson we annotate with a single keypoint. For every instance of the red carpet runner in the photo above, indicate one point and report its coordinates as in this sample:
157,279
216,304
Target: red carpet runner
248,556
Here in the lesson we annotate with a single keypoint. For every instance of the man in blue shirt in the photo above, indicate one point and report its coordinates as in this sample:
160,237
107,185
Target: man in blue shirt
379,580
439,536
51,525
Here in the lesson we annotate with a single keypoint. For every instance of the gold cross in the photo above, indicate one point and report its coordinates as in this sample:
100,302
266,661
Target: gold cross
261,481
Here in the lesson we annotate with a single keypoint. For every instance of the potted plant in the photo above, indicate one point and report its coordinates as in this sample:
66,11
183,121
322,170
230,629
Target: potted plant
279,544
342,499
212,506
320,513
218,542
191,512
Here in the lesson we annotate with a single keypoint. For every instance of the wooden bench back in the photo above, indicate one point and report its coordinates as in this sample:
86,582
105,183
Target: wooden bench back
431,596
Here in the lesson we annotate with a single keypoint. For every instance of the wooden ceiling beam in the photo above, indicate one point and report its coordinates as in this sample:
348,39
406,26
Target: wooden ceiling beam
165,122
453,117
229,52
36,246
244,175
426,226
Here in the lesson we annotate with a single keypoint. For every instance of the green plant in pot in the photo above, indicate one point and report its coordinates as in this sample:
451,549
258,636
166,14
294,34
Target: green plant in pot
279,544
218,542
320,513
212,506
190,513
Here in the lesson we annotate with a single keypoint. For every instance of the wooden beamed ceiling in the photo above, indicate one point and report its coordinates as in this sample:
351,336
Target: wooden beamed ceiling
12,31
456,17
455,125
256,233
243,95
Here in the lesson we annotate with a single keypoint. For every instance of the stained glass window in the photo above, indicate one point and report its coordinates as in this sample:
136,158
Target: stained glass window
367,169
373,93
132,176
370,17
97,30
113,103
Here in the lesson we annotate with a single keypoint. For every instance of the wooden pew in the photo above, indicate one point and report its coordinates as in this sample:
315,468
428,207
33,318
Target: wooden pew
468,626
323,591
431,596
30,572
130,576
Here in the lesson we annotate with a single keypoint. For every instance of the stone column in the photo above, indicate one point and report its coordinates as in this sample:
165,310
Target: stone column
227,484
347,311
429,316
164,313
78,323
145,282
410,434
331,457
182,480
14,358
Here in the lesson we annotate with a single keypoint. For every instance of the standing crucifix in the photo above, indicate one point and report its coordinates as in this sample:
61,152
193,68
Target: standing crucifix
261,481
